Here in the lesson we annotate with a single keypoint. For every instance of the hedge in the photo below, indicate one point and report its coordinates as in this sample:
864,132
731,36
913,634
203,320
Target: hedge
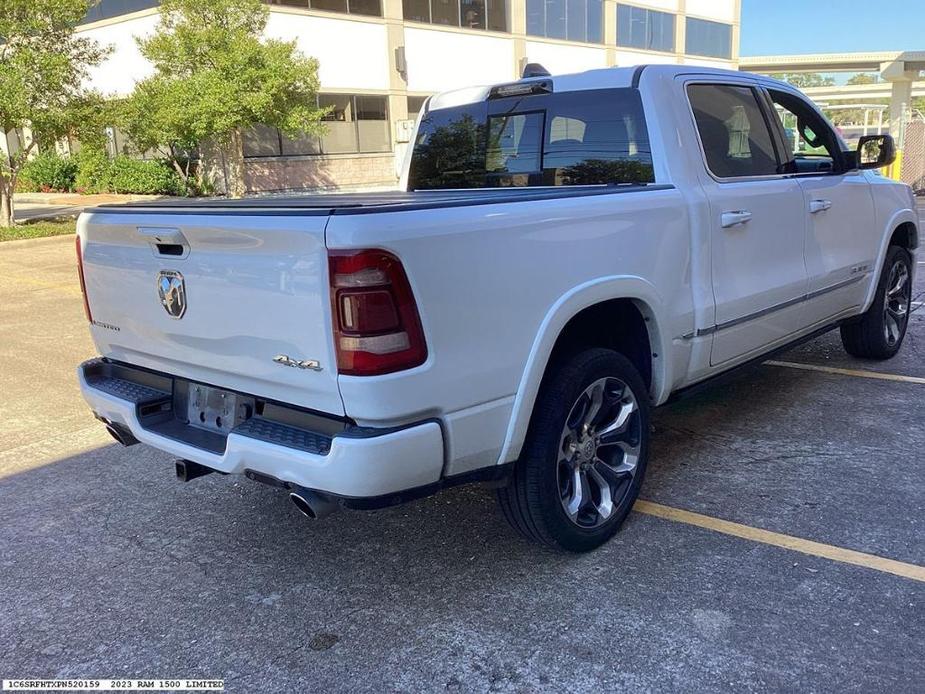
92,171
48,172
128,175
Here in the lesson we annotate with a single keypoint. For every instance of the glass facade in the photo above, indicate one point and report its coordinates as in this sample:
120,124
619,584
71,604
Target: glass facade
709,39
468,14
106,9
356,124
571,20
371,8
638,27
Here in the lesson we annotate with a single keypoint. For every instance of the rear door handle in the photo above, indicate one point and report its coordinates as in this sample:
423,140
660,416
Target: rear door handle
730,219
819,205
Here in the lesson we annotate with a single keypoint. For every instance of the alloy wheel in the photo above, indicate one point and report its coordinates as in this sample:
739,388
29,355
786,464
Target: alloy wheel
599,452
896,303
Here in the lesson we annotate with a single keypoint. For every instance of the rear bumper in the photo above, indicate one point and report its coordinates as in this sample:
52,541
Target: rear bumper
352,464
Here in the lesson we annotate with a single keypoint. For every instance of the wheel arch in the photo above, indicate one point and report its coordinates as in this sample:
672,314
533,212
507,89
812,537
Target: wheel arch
632,298
902,229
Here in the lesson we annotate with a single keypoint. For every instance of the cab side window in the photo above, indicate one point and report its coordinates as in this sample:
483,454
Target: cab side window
811,144
737,141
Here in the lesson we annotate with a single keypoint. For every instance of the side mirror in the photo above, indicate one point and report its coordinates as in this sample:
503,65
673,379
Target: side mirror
875,151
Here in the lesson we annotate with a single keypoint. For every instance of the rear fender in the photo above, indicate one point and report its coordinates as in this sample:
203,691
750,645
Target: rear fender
636,289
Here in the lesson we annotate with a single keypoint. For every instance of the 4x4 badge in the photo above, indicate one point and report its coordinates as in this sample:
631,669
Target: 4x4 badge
172,291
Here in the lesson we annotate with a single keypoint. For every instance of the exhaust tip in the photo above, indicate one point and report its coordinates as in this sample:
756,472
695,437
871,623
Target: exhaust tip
188,470
302,504
121,434
312,504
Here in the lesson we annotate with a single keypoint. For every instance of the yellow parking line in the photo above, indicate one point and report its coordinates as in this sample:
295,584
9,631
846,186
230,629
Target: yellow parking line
848,372
797,544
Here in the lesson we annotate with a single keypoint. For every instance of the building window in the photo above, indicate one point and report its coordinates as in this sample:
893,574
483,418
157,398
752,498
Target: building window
469,14
371,8
638,27
709,39
414,105
106,9
573,20
356,124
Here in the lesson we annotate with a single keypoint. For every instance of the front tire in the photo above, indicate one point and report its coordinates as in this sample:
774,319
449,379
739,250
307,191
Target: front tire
585,455
880,331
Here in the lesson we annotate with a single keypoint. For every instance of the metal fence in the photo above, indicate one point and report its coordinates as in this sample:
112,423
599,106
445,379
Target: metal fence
912,167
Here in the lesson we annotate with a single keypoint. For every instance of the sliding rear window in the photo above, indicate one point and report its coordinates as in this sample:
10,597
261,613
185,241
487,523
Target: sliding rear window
594,137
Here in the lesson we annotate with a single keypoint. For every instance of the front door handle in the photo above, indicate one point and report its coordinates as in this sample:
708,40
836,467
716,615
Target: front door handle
819,205
730,219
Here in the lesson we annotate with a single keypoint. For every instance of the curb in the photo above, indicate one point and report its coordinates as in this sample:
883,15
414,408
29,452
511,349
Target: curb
37,242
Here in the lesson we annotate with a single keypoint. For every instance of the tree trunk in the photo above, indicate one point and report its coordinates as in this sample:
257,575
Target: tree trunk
6,205
234,165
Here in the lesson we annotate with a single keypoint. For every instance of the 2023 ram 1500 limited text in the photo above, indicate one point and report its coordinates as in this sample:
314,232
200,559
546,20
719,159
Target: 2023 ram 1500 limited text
566,253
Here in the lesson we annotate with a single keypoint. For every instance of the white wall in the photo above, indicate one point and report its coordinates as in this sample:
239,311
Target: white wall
125,66
707,62
560,59
626,58
720,10
443,60
353,55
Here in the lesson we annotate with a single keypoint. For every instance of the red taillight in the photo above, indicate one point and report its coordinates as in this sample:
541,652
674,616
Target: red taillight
83,284
377,329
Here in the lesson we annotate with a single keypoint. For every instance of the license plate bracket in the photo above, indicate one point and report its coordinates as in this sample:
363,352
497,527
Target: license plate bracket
217,410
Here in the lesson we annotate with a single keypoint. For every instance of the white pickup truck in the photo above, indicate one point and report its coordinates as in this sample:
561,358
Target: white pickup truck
566,253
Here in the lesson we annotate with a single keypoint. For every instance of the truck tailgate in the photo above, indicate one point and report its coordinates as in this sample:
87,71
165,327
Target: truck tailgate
254,286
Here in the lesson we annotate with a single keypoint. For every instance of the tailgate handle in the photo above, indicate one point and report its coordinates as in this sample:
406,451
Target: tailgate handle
165,241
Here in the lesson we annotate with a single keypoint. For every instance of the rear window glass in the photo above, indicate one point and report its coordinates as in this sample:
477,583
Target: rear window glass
594,137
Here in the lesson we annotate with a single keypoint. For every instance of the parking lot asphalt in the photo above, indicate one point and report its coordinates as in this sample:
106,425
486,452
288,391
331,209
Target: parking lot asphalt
109,567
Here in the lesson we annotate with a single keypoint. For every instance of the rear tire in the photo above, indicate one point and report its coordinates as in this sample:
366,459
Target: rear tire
879,332
585,455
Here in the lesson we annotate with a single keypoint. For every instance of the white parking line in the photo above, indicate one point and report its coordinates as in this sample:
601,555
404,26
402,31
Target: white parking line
848,372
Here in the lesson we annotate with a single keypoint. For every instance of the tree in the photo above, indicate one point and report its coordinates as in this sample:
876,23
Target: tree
802,80
215,76
863,78
43,69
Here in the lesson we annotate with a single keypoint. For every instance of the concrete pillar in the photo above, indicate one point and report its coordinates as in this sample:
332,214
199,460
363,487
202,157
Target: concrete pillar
736,31
517,22
398,75
610,31
900,81
680,31
900,100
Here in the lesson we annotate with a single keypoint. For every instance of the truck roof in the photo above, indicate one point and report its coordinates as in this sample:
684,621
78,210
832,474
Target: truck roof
601,78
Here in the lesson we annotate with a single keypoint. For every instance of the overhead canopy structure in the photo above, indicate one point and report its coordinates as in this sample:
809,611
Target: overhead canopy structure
899,70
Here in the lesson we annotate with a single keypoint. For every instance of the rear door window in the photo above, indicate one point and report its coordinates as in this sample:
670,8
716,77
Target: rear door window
734,132
594,137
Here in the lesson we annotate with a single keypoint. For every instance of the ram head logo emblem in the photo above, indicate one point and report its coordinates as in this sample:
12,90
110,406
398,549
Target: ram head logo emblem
171,289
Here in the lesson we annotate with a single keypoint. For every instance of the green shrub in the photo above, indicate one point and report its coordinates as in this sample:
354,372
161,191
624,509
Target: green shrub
94,170
129,175
48,172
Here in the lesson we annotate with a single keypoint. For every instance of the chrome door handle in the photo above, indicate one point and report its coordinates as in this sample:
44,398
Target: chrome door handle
819,206
730,219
